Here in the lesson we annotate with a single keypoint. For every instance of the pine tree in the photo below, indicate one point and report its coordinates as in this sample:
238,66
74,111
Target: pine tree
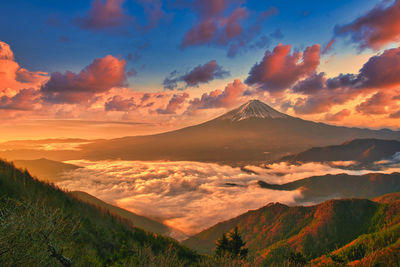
297,259
222,245
233,245
236,244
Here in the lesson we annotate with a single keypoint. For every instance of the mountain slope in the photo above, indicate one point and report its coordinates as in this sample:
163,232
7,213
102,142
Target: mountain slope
361,150
251,133
41,225
44,169
272,232
321,188
379,248
134,219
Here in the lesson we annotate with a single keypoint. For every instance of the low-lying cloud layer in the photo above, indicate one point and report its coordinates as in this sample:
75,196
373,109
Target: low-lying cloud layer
188,196
191,196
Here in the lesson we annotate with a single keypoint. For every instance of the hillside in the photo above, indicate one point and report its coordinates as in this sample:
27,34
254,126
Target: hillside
320,188
41,225
132,218
44,169
360,150
381,248
276,230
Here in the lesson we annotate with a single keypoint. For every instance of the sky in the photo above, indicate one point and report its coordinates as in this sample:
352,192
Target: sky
110,68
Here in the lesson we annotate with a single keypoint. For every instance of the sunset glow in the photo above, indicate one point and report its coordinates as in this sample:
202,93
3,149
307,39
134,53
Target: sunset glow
246,55
200,133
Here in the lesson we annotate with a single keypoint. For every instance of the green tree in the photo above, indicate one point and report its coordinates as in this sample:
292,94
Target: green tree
222,245
236,244
297,259
232,245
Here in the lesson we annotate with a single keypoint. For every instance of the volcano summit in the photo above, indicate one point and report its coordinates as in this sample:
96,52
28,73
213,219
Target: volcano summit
253,132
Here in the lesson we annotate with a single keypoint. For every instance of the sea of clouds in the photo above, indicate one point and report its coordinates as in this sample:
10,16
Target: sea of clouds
191,196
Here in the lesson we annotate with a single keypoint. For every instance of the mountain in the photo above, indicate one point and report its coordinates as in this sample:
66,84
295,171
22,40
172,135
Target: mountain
253,109
379,248
360,150
134,219
275,231
54,149
253,132
40,225
321,188
45,169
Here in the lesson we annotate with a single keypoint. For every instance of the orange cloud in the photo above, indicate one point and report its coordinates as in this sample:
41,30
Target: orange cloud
379,103
25,99
279,69
99,77
379,27
14,77
5,52
230,97
118,103
174,104
337,116
379,75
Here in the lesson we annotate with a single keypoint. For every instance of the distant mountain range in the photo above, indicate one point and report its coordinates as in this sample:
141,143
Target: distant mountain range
320,188
249,134
360,150
253,132
333,233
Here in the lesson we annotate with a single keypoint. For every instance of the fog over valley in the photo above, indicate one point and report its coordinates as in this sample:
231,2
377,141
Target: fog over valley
191,196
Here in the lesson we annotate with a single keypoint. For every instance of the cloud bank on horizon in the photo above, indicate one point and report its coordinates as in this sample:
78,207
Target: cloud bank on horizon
191,196
286,76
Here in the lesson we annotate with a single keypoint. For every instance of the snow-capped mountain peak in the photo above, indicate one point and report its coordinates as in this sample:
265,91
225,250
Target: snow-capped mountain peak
253,109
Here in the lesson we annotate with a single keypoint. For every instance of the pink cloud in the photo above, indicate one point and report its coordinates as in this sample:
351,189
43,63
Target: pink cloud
25,99
201,33
204,73
231,25
324,100
313,83
174,104
379,27
215,26
395,115
154,12
379,103
118,103
5,52
209,8
13,76
227,98
200,74
104,14
379,75
279,69
99,77
382,70
338,116
26,76
328,46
